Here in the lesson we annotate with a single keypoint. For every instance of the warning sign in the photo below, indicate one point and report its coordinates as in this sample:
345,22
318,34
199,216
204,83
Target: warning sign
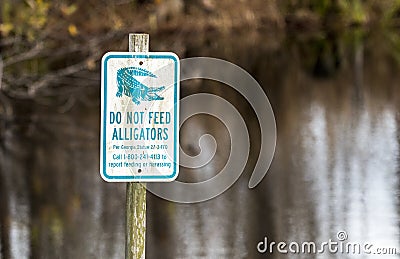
139,117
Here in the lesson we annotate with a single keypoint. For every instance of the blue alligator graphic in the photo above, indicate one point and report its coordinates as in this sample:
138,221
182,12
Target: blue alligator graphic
135,89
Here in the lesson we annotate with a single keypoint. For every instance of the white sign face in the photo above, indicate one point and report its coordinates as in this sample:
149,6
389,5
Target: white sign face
139,117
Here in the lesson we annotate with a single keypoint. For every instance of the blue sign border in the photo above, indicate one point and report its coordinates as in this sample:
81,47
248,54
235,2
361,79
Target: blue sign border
105,59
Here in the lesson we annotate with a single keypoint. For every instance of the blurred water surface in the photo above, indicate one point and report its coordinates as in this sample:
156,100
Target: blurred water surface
336,167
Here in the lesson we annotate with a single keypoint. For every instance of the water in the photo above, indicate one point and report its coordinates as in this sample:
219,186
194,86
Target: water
336,166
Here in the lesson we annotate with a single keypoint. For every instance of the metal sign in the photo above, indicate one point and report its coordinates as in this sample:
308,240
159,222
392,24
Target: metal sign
139,117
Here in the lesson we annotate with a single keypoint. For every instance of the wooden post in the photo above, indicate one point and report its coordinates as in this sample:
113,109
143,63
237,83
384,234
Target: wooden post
136,192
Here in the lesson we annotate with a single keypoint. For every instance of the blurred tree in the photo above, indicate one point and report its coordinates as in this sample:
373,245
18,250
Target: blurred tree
43,40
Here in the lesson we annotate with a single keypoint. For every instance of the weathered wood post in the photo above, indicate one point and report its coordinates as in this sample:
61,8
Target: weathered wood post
119,71
136,192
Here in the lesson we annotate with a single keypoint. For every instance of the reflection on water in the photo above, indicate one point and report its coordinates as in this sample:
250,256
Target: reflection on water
55,206
336,165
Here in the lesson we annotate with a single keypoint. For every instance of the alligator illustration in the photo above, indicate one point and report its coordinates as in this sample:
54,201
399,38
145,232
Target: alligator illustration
131,87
